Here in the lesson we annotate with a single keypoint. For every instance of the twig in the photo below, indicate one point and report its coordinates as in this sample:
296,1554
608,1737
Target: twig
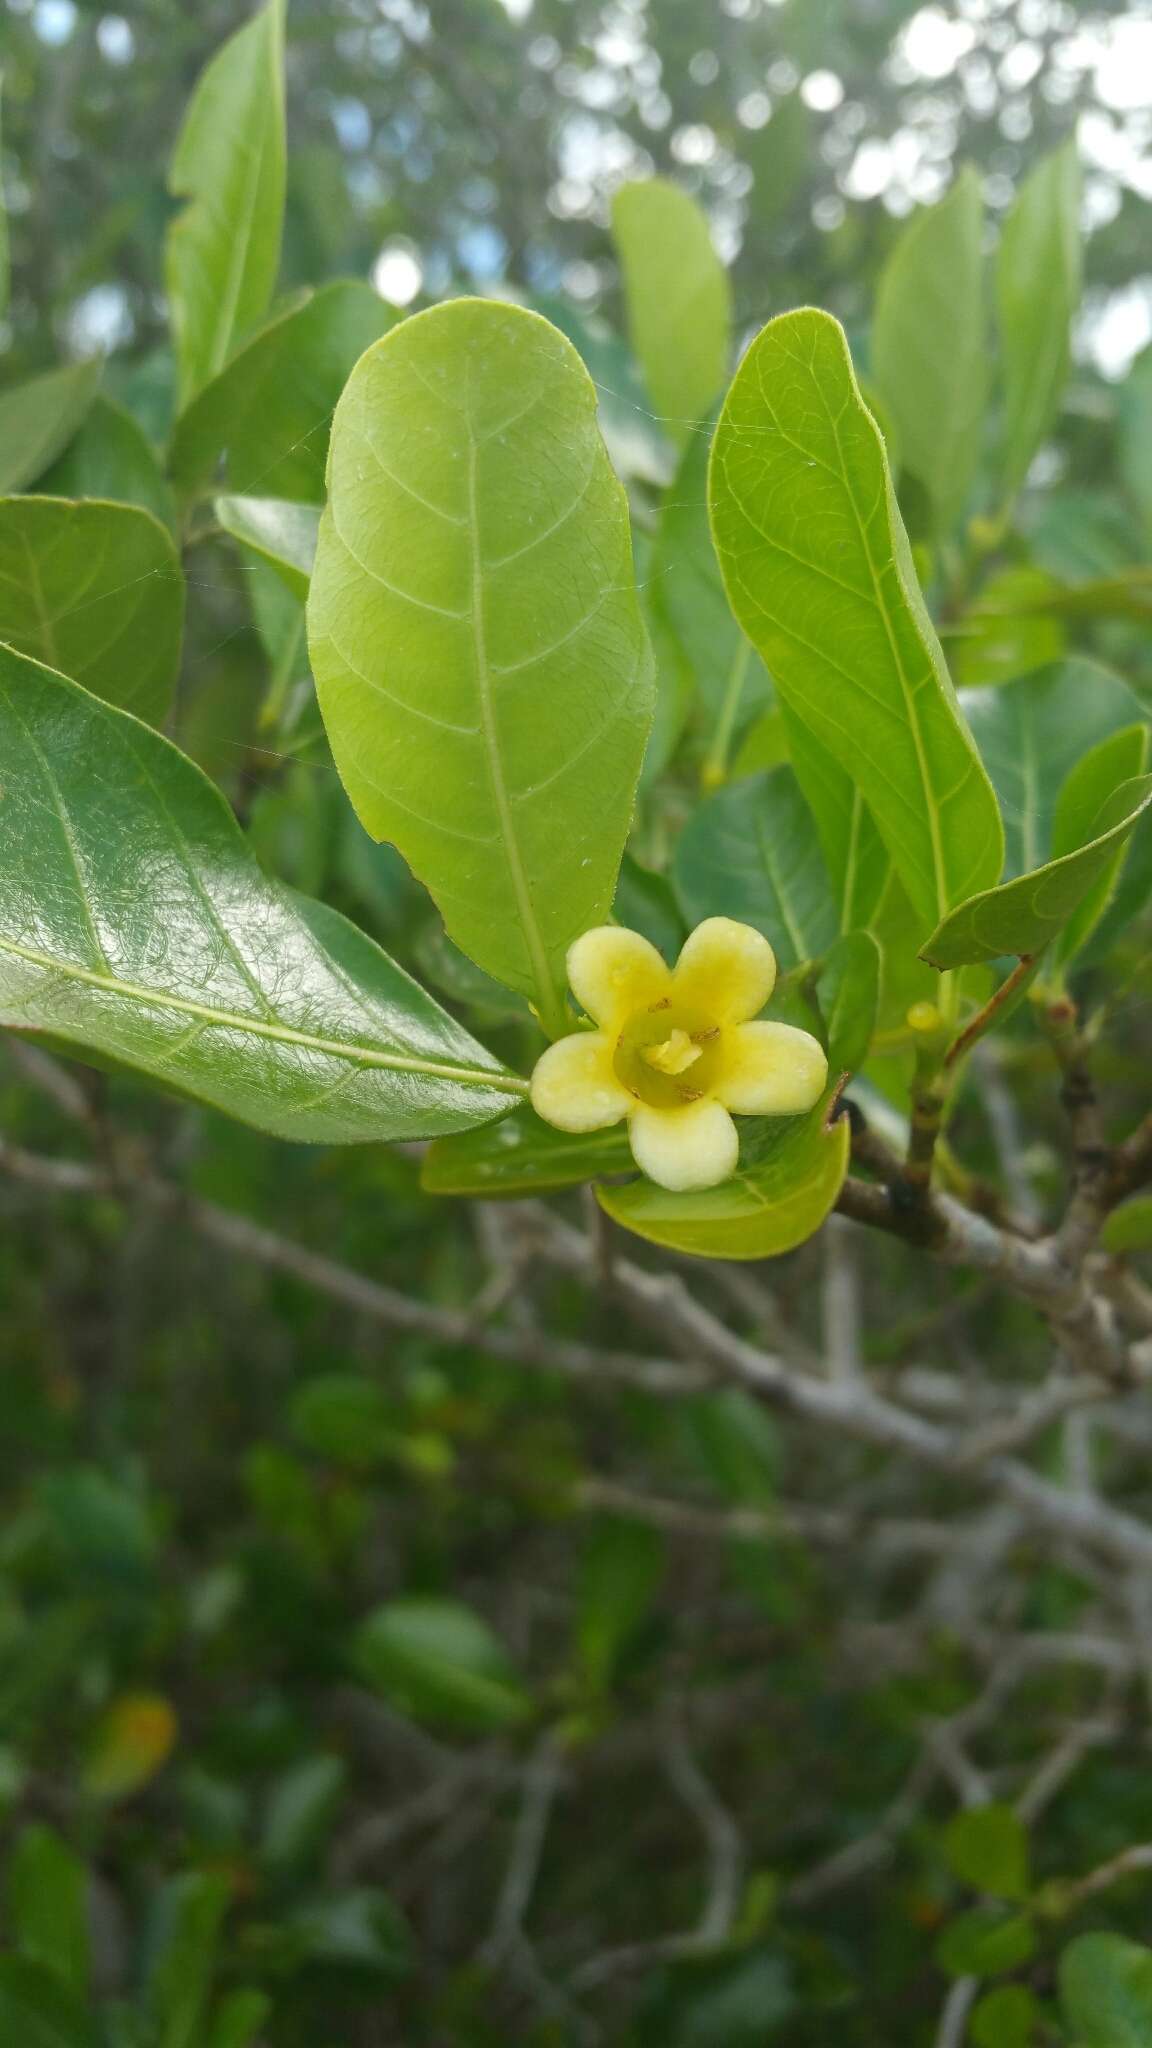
541,1783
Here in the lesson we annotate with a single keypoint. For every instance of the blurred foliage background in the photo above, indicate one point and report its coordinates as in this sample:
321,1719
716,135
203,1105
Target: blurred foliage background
338,1652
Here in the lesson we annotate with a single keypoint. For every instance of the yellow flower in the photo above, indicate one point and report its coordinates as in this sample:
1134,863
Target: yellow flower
675,1051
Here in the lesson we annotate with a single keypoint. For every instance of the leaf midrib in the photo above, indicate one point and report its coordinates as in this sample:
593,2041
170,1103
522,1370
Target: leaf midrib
281,1034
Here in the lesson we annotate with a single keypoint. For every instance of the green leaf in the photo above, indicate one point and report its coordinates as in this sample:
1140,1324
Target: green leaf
521,1155
1009,631
1005,2018
771,1204
5,253
38,2011
342,1416
687,595
751,851
239,2019
439,1661
281,533
476,637
984,1941
854,853
1032,732
47,1898
94,590
987,1847
849,996
1120,758
1106,1991
620,1571
263,423
1134,437
135,922
300,1810
190,1914
362,1931
1129,1228
739,1446
1038,291
223,248
646,902
819,573
930,344
38,419
678,296
111,457
1024,916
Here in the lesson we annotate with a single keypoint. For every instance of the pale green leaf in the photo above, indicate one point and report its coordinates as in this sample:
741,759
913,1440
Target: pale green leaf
476,636
522,1155
751,851
1134,438
96,591
111,457
134,922
1011,630
261,426
678,296
5,254
223,249
819,573
281,532
1038,291
775,1200
1106,1992
440,1661
930,344
1129,1228
38,419
1024,916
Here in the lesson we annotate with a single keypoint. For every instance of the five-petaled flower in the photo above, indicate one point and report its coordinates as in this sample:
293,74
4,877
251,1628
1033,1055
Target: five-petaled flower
675,1050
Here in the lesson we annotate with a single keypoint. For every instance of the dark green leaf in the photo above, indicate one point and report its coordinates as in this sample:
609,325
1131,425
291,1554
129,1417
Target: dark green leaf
239,2019
984,1941
849,995
820,576
133,920
1129,1228
476,637
37,2010
300,1810
752,852
47,1898
619,1572
96,591
854,853
521,1155
1005,2018
356,1930
190,1915
987,1847
1113,761
111,457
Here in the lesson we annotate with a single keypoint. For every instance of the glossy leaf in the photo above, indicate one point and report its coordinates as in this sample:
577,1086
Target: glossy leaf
930,344
111,457
1024,916
38,419
854,853
849,993
1119,759
678,295
47,1901
96,591
134,922
223,248
687,594
476,636
521,1155
1032,732
819,573
1106,1991
261,426
440,1661
751,851
987,1847
1038,291
282,533
779,1195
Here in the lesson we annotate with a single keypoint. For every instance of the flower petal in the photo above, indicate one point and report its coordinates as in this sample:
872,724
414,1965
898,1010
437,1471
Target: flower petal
613,972
770,1070
726,969
693,1147
574,1086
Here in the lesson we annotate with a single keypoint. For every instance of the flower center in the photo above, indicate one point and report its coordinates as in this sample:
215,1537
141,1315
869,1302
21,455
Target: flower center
666,1056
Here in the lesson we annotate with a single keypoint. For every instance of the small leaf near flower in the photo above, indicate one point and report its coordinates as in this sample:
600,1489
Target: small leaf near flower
675,1051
